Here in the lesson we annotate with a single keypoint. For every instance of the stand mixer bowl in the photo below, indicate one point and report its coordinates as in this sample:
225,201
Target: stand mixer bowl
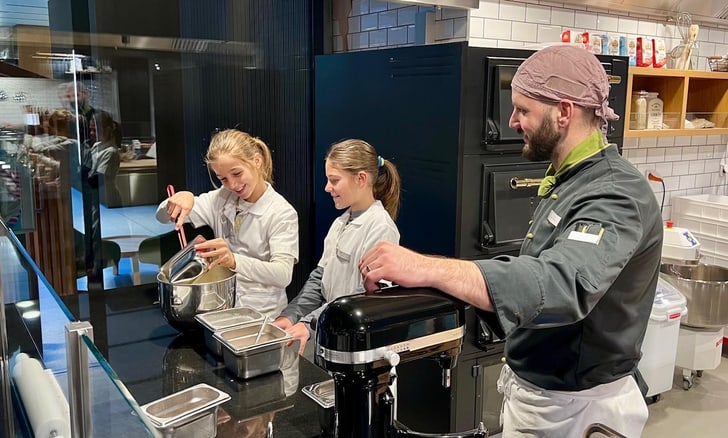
706,290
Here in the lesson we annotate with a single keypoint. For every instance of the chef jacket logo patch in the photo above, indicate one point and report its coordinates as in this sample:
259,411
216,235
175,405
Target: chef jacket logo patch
553,218
589,233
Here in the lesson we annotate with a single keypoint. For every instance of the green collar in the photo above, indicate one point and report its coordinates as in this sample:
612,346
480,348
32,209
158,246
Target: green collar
590,146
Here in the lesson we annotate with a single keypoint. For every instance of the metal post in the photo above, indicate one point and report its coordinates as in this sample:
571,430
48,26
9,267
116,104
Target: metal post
79,391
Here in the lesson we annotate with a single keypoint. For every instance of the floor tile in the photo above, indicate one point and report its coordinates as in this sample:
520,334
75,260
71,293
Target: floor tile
701,412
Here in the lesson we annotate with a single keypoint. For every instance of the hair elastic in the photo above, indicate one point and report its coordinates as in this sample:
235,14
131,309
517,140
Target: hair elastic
380,161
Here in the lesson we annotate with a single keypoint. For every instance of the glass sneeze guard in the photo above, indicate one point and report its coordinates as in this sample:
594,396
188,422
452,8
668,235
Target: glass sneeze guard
33,322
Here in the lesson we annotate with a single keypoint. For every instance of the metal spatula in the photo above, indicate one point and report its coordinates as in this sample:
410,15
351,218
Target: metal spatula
260,332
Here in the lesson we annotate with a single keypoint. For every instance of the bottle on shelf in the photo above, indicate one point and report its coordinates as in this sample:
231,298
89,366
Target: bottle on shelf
654,111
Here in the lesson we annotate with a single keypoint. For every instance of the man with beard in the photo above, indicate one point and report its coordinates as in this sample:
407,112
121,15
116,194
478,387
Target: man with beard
574,305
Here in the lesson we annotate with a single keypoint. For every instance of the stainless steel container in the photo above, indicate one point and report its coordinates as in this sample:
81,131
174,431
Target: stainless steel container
244,357
224,319
185,265
188,413
323,394
180,302
706,290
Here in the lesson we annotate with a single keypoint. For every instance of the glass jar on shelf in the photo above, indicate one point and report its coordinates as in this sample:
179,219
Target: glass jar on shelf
639,110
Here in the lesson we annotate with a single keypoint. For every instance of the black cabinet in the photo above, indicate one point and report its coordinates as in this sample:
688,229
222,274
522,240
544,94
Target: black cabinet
425,405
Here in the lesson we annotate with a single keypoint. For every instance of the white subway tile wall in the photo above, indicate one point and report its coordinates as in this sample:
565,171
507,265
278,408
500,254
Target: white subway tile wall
688,164
375,24
552,18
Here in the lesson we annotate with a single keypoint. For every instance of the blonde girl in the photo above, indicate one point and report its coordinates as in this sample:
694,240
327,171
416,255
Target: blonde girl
256,229
367,187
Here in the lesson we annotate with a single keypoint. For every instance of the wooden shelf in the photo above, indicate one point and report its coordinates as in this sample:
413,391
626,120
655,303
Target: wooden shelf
683,92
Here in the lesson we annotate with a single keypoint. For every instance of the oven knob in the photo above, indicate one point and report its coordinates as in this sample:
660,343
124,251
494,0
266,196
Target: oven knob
391,357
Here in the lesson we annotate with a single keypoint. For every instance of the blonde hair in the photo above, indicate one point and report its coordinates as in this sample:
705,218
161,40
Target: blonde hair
356,156
243,146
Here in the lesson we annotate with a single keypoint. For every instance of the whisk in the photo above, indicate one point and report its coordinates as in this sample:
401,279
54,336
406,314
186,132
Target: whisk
683,20
682,53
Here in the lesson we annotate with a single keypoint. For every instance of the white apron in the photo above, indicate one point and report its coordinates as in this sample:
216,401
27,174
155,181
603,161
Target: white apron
530,411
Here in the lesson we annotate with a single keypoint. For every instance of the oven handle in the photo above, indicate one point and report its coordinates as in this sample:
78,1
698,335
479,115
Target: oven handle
523,183
614,79
500,249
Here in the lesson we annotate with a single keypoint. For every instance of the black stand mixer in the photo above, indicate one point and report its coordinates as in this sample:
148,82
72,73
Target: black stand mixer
361,337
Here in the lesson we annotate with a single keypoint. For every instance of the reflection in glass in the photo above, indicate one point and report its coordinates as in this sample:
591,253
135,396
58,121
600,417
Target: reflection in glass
253,401
113,408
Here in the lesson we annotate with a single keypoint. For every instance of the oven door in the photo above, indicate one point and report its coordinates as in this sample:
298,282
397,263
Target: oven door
497,135
509,197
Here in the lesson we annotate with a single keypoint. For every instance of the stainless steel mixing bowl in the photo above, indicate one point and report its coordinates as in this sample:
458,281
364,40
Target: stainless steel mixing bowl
180,302
706,290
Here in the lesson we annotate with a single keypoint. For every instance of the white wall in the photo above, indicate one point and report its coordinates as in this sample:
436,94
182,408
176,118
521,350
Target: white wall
377,24
689,164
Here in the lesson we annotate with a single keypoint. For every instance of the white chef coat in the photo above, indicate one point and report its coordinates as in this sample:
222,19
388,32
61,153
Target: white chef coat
105,160
530,411
265,245
345,245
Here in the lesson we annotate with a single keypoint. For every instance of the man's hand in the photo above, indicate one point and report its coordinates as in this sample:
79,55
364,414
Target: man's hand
459,278
388,261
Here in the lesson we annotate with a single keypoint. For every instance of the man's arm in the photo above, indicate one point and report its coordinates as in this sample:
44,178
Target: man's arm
460,278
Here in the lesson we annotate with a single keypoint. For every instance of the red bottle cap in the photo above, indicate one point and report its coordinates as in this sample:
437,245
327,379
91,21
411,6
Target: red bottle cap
669,224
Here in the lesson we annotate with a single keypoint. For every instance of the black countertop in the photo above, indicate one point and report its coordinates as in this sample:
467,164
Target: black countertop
153,360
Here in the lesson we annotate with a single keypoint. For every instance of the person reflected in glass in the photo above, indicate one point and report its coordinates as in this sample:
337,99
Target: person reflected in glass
105,159
76,100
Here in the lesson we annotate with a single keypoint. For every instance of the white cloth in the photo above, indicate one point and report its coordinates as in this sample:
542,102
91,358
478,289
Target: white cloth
265,245
721,185
346,243
530,411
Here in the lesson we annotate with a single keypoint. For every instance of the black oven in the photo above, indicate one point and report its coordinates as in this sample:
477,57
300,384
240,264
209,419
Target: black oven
440,113
509,197
497,135
499,71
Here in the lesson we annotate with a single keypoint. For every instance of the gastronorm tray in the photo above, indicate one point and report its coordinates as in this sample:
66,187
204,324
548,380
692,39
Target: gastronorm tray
321,392
224,319
245,358
182,259
191,412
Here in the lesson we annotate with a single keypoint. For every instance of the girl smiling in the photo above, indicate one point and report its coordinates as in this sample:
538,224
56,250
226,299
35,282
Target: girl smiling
256,229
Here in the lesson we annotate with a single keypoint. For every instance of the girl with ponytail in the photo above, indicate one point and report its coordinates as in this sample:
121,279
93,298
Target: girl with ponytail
367,187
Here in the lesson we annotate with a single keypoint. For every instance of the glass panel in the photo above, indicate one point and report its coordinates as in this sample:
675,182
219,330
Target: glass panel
33,322
81,191
112,406
100,111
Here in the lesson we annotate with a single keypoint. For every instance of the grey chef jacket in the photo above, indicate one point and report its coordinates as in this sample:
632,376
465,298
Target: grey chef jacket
575,304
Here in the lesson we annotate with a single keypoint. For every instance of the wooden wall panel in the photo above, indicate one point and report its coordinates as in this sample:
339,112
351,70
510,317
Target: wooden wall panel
51,245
